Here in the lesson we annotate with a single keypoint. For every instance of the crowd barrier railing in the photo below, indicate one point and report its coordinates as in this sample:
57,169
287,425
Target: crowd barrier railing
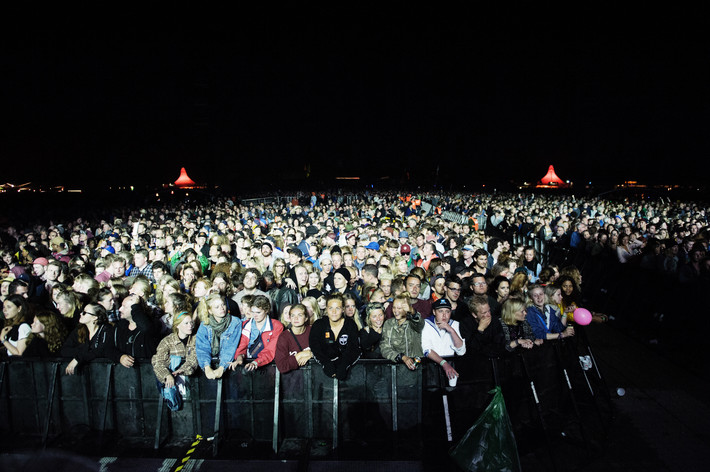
378,398
540,246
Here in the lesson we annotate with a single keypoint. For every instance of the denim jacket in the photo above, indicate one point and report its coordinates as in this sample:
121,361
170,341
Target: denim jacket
227,346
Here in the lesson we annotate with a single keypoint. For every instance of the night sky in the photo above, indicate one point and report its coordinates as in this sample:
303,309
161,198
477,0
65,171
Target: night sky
259,97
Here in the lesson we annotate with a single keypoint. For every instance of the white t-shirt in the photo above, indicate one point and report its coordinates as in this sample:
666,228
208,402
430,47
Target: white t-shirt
24,330
440,340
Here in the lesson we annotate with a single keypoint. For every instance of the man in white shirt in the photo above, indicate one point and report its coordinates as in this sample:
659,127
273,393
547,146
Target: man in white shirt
441,337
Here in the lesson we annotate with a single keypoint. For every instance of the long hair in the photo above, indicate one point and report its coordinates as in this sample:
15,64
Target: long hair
55,332
101,319
573,298
356,316
20,302
312,303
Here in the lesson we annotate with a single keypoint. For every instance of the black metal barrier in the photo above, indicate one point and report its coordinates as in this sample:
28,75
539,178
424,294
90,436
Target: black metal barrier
546,386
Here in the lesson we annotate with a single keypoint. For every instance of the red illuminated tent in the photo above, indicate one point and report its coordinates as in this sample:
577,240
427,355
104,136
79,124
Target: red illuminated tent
551,179
184,180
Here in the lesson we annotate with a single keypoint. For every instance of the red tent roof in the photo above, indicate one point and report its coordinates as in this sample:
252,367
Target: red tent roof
184,180
551,178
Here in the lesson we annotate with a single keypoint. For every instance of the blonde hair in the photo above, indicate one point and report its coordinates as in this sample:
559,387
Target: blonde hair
203,310
312,303
510,307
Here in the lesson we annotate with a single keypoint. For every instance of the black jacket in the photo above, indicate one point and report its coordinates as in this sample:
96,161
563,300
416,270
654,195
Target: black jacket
335,355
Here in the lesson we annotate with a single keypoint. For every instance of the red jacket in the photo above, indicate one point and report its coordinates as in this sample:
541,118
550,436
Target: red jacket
269,336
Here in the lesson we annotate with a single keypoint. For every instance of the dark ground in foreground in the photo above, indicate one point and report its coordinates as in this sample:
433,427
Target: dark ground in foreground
659,424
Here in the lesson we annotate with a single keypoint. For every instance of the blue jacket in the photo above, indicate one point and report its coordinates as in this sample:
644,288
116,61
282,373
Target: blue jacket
227,346
536,319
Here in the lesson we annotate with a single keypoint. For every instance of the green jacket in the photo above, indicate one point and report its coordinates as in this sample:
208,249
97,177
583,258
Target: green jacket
405,339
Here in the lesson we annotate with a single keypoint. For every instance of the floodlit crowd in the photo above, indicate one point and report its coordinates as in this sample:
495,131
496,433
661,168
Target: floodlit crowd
205,289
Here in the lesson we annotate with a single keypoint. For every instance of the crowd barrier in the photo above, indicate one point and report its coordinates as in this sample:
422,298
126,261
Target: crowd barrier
380,400
538,244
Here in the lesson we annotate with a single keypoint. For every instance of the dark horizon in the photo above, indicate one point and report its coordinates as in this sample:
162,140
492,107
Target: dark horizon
358,99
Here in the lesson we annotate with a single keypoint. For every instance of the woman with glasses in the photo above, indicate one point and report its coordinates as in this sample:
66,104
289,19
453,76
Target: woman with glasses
91,339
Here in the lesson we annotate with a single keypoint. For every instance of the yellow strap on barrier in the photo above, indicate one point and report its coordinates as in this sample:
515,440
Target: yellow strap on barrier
193,447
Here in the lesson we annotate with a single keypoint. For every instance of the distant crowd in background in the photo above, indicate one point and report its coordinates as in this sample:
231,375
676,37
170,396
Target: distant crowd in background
333,278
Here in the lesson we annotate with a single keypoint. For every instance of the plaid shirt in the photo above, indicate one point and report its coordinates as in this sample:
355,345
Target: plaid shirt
114,316
147,271
172,346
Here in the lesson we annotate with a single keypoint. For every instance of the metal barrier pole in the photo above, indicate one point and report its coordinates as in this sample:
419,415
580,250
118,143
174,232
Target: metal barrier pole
447,417
2,374
309,399
539,410
2,384
85,394
196,410
50,403
109,378
394,396
575,353
277,398
139,388
34,389
583,430
335,413
217,413
494,366
159,422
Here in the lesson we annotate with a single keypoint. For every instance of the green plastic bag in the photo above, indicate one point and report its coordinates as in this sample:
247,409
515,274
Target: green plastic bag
489,445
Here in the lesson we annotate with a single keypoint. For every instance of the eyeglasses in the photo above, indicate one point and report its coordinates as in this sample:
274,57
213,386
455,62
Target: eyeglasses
89,313
454,289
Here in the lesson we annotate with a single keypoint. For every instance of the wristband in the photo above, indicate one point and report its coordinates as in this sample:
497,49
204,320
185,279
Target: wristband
443,361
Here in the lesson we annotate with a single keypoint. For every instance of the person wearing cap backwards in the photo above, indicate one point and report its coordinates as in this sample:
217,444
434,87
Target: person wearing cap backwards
441,337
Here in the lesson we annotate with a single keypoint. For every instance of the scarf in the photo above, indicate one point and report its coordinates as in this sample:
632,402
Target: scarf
218,327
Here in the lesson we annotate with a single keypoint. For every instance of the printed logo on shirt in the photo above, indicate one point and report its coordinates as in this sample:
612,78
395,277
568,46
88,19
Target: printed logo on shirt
343,340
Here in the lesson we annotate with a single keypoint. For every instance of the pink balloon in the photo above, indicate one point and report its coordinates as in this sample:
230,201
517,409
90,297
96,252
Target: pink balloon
582,316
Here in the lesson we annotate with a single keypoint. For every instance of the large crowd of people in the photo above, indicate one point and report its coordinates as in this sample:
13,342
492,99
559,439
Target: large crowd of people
328,279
